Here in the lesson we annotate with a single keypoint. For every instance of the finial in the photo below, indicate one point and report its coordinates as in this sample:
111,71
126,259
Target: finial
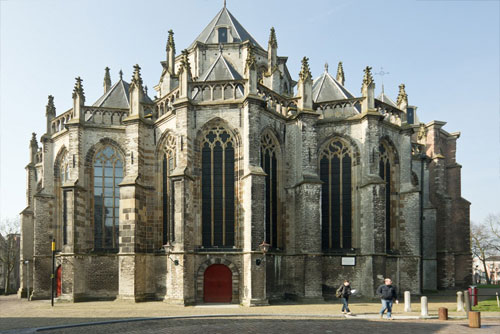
368,78
185,65
146,89
250,61
121,74
136,77
50,109
78,90
33,138
382,73
402,96
224,3
107,80
273,42
305,72
170,41
340,73
326,67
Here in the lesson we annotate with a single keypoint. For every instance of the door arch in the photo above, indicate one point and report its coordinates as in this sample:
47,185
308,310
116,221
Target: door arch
217,284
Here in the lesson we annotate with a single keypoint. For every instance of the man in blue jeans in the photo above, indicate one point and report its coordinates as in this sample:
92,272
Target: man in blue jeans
387,294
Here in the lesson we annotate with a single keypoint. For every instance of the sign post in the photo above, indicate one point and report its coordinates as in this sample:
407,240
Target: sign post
52,276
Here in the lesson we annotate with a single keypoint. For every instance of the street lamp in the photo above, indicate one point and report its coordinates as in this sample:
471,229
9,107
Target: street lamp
168,247
264,247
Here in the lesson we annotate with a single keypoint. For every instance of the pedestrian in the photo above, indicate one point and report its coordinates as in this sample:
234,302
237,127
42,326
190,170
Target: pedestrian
388,295
343,292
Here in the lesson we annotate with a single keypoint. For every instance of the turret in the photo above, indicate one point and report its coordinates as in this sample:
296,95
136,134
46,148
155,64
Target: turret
184,76
136,92
251,71
33,148
304,86
107,80
340,74
50,113
368,91
78,101
170,52
272,51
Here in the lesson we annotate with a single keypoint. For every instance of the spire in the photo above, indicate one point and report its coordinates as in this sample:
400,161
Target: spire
170,52
272,38
136,93
33,142
33,148
185,65
305,72
250,61
402,101
121,74
251,71
184,75
340,74
107,80
78,90
368,91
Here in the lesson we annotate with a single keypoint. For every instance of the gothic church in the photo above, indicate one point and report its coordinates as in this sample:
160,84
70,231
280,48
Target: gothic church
237,183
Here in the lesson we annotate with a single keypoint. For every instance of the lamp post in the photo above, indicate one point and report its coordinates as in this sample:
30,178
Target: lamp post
168,248
264,247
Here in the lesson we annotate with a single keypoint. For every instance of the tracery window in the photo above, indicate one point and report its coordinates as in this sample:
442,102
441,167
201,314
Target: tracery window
218,184
269,163
168,165
336,195
108,173
386,165
62,196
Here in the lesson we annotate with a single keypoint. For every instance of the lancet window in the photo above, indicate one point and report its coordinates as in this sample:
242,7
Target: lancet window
108,173
218,188
336,195
269,163
386,172
168,166
61,232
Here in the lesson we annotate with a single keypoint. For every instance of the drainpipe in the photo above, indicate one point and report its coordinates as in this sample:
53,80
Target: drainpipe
423,158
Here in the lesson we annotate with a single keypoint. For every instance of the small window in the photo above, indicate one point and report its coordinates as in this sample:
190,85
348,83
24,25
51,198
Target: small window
222,35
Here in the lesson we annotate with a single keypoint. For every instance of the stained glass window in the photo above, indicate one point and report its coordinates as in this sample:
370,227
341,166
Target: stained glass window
269,163
168,165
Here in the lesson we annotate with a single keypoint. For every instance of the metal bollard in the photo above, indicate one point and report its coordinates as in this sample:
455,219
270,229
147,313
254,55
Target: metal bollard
424,307
460,301
407,301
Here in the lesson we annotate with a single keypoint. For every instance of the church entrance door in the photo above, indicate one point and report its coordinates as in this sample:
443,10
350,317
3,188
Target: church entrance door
217,284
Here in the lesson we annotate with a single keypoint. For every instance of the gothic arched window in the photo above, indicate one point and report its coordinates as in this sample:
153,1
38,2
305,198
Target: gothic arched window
217,187
336,195
168,165
386,172
269,163
108,173
62,175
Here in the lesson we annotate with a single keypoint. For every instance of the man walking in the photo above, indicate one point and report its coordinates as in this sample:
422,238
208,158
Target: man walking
387,294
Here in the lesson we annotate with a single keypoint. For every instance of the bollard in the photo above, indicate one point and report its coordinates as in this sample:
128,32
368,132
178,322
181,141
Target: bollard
423,306
474,319
407,301
460,301
467,302
443,313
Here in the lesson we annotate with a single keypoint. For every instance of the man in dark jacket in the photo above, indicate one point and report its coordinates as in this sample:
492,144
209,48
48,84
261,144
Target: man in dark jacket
387,294
343,292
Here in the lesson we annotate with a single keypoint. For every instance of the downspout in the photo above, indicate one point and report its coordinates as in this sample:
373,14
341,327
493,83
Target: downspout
423,158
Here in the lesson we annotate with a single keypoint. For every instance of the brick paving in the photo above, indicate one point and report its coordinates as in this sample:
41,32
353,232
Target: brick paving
16,315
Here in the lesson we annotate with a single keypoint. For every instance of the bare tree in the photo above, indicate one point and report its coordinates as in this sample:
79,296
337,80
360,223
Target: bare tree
9,248
493,220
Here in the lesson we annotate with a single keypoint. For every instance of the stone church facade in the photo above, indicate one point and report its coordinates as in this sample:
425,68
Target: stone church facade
174,197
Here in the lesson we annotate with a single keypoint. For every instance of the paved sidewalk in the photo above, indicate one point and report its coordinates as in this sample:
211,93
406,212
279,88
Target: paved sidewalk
16,314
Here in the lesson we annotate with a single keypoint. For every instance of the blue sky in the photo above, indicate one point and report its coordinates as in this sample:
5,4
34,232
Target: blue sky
445,51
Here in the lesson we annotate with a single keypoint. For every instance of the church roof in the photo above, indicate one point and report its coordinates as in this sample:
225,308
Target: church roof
326,88
386,99
221,69
224,19
118,97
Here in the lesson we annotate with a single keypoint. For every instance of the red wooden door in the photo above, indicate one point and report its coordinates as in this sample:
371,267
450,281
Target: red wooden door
58,281
217,284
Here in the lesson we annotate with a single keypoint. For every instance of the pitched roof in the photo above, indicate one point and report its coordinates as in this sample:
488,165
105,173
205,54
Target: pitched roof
326,88
118,97
386,99
225,19
220,69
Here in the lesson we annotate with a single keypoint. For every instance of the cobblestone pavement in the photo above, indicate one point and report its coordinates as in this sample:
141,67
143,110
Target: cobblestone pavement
21,316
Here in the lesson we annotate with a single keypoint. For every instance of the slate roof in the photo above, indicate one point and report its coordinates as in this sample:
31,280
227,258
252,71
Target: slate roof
327,88
118,97
220,69
226,19
386,99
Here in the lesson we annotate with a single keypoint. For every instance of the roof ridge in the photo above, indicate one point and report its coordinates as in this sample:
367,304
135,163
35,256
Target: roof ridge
339,86
232,22
320,85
